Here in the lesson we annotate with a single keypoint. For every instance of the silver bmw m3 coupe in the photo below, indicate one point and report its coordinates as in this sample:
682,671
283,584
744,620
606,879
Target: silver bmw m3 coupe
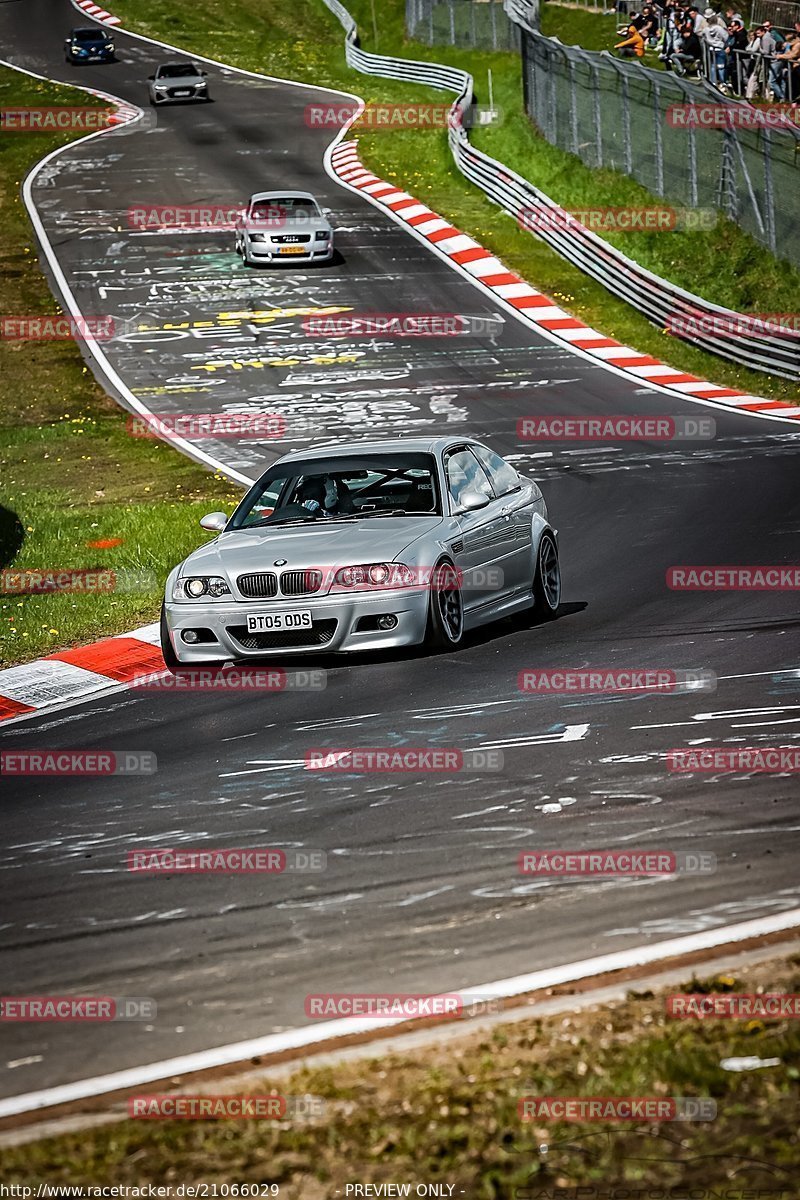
364,546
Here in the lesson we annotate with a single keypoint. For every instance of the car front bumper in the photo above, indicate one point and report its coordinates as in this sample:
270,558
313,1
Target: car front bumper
162,98
336,627
264,252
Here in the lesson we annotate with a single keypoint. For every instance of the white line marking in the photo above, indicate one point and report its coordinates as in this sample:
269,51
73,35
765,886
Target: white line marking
293,1039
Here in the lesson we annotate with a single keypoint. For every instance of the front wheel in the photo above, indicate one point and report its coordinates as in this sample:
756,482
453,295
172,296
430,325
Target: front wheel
547,579
171,660
446,611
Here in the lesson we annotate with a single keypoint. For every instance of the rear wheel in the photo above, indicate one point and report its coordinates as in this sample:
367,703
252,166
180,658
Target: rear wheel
547,579
446,609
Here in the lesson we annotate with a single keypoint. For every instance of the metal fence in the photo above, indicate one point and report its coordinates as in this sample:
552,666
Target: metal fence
660,301
475,24
780,12
617,114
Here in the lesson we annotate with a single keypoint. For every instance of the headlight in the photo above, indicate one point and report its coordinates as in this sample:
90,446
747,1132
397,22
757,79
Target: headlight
200,85
374,575
110,46
195,586
322,235
257,237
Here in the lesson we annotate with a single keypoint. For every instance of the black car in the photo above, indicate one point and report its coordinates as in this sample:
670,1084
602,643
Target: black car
89,45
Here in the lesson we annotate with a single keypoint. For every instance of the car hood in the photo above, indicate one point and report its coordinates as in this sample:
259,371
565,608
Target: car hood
98,43
180,81
321,544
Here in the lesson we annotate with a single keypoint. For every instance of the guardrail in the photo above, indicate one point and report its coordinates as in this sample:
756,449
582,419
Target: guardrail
719,330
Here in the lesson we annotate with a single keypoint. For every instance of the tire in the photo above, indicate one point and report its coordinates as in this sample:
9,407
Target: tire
171,661
445,629
547,579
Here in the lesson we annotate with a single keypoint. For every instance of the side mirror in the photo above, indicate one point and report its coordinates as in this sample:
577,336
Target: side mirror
151,76
215,522
204,74
471,501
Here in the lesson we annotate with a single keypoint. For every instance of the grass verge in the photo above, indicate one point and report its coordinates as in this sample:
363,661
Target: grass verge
449,1115
305,42
70,476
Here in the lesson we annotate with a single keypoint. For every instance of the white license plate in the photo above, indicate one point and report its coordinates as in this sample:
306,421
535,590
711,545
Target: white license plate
268,622
186,93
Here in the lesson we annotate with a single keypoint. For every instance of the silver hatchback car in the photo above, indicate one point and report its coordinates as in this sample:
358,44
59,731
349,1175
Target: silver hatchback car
284,226
364,546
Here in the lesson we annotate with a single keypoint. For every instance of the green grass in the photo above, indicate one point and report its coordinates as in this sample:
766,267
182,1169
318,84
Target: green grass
448,1114
304,42
69,472
591,30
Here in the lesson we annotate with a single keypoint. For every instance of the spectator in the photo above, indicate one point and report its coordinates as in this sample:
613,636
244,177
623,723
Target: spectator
670,40
786,85
775,34
755,66
731,15
715,37
735,44
688,56
633,45
778,45
649,29
698,23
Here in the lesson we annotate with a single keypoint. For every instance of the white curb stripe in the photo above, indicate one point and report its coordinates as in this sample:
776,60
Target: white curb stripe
293,1039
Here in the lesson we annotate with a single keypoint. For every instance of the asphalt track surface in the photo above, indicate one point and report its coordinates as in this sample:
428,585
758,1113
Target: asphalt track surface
422,892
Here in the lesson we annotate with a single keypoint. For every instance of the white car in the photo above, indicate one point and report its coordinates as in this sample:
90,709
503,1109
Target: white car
175,82
364,546
284,226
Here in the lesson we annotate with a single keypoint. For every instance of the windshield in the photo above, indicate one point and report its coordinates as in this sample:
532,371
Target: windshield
177,71
283,208
90,35
338,488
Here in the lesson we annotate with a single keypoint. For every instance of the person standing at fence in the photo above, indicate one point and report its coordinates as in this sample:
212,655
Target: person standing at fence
787,81
734,46
778,44
670,41
715,36
755,64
